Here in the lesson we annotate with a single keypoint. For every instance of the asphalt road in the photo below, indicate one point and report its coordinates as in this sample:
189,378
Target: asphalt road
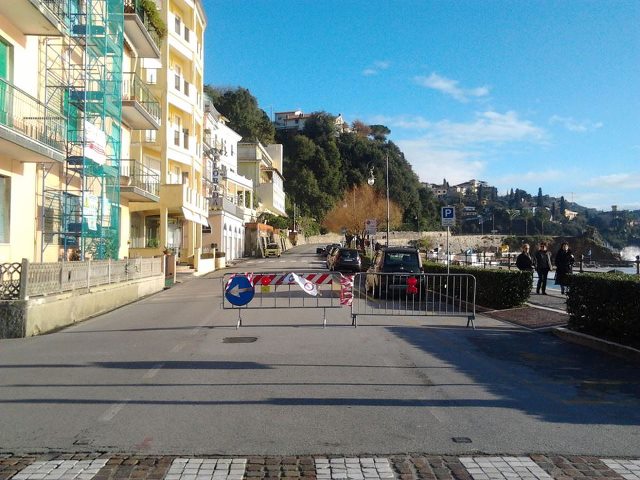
160,376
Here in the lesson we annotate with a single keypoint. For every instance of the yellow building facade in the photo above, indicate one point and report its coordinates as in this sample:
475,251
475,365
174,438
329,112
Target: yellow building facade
99,148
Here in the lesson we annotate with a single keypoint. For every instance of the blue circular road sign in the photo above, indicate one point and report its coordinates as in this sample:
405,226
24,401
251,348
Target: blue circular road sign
239,291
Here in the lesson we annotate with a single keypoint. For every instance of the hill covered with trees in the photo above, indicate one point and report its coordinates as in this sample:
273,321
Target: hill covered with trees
324,169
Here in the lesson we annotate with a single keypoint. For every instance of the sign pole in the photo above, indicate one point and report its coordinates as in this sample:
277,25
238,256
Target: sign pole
447,250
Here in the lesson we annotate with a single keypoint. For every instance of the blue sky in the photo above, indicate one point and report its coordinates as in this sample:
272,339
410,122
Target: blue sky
518,93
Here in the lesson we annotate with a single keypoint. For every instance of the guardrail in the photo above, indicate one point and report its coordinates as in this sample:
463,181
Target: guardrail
407,294
20,281
285,290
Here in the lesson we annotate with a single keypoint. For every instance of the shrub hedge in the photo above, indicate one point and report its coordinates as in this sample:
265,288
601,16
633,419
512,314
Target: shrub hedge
606,306
497,289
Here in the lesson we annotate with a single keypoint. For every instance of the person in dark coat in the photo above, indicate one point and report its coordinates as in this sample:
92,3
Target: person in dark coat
524,261
564,267
542,261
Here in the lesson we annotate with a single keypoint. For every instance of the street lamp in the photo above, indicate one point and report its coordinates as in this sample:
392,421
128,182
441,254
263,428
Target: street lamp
371,180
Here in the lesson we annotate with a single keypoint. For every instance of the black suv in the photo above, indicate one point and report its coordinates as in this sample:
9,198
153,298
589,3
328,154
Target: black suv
401,260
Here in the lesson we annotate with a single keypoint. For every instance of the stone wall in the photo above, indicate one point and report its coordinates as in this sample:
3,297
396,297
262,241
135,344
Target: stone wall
457,243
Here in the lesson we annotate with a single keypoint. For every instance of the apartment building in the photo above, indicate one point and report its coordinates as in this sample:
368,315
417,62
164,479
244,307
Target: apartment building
174,150
60,129
295,120
100,129
230,194
263,165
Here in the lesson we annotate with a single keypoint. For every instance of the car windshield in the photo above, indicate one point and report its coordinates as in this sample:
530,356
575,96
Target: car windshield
272,245
393,259
349,254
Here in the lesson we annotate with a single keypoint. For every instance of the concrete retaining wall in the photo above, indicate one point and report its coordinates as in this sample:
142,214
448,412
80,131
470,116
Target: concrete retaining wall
43,314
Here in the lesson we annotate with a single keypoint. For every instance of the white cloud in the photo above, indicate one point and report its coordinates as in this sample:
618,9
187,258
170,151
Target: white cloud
490,127
432,163
487,127
378,65
624,181
451,87
574,125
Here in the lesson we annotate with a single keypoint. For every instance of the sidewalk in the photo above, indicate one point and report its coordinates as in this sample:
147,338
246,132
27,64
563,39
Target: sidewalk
84,466
540,312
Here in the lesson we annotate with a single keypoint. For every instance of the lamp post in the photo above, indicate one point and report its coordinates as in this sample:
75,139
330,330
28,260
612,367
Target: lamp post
387,164
371,180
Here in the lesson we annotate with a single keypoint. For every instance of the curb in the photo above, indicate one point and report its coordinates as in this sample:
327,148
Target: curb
622,351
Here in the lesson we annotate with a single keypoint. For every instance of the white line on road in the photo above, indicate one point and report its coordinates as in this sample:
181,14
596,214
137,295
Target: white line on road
152,372
112,411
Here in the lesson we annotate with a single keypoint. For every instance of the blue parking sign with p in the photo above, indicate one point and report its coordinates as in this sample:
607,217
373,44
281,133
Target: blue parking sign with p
448,216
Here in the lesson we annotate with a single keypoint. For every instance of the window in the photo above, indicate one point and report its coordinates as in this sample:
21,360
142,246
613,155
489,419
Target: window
177,77
5,74
177,23
186,34
185,134
151,136
177,122
5,208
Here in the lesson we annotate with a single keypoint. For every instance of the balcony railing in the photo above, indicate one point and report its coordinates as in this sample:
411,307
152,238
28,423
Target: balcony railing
28,116
133,6
135,89
57,7
140,176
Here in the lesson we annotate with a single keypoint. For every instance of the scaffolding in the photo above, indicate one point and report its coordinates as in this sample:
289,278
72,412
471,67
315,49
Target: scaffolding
83,80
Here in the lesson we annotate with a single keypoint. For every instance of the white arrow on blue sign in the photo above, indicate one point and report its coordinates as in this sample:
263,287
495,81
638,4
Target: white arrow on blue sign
239,291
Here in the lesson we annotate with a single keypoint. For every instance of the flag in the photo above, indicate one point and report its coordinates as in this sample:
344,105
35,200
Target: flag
305,285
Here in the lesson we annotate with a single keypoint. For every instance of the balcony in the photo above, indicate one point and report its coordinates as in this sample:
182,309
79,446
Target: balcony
30,131
35,17
138,183
226,205
181,198
140,109
140,31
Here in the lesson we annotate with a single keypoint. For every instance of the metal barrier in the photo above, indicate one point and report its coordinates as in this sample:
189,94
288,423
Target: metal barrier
285,290
393,294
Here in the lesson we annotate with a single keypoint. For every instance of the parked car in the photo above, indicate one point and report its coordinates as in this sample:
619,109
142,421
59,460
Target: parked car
272,250
346,260
401,260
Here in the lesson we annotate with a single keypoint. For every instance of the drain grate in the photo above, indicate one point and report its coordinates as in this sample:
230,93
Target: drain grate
239,339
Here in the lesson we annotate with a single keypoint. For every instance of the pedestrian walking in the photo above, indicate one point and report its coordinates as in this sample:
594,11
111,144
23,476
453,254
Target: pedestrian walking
543,265
564,267
524,261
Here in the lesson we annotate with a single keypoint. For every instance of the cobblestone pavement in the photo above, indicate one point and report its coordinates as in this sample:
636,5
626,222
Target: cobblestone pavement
366,467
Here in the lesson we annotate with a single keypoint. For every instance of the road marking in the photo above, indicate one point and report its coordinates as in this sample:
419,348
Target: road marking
112,411
628,469
207,469
178,347
482,468
65,469
152,372
353,468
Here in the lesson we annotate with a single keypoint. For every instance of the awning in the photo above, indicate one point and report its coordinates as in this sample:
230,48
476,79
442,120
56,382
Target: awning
195,217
